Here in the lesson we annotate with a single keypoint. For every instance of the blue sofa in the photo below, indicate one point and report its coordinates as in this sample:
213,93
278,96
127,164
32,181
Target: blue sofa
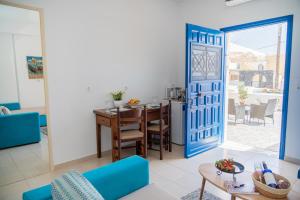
19,129
17,106
12,106
43,120
112,181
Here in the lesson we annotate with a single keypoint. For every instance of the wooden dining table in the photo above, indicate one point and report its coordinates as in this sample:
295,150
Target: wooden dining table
108,119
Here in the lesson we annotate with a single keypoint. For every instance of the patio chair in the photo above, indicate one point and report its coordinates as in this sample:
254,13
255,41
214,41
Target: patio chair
263,110
237,110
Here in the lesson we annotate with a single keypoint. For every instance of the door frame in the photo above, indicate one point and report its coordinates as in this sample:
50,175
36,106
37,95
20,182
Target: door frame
43,46
289,20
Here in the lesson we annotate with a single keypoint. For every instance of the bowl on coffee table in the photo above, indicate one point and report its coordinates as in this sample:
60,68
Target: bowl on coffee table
229,166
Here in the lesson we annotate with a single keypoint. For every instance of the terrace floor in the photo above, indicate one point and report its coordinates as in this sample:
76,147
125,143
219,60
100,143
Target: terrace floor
255,136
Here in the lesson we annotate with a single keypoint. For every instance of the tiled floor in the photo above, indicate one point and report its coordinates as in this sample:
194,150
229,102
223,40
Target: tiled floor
23,162
255,136
175,174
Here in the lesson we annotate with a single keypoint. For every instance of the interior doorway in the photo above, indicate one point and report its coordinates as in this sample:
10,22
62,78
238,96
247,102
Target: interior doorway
23,86
257,80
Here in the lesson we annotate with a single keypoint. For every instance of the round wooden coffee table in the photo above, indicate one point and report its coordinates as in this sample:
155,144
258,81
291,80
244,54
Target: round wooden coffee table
209,173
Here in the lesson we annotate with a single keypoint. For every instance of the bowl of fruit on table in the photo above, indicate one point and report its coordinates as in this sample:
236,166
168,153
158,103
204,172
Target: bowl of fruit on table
133,102
229,166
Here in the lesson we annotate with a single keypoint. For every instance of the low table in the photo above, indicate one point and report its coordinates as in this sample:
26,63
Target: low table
209,173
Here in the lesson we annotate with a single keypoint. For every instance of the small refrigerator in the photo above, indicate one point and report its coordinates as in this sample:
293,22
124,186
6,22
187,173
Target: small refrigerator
178,122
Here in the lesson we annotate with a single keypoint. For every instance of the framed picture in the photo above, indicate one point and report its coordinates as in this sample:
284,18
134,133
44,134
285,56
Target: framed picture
35,67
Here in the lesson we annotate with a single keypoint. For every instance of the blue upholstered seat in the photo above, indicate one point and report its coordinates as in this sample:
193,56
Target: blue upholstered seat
19,129
11,106
43,120
112,181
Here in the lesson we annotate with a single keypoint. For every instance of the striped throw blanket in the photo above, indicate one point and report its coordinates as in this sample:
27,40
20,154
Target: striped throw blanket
72,185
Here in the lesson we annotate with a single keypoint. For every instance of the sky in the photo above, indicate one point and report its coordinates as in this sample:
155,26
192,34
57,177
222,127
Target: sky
262,39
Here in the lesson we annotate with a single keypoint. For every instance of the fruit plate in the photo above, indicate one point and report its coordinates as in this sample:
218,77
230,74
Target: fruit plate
238,168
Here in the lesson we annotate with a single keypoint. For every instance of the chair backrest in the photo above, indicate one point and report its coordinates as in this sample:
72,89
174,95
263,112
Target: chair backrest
231,106
132,116
271,106
165,113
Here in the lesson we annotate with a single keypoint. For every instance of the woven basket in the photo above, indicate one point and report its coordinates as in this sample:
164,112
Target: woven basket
269,191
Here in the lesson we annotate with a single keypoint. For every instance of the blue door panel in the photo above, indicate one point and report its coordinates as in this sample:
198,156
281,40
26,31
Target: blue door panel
204,87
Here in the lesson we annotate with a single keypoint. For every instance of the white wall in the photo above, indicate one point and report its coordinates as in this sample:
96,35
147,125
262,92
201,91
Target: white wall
214,14
8,82
31,91
20,37
104,45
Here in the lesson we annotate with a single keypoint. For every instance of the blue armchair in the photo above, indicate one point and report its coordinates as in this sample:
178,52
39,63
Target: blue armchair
19,129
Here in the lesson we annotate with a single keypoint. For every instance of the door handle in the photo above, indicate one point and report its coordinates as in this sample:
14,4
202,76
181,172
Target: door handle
199,94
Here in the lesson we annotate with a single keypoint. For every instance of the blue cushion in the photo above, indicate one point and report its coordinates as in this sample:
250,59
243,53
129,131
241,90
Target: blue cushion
112,181
120,178
43,120
19,129
41,193
72,185
11,106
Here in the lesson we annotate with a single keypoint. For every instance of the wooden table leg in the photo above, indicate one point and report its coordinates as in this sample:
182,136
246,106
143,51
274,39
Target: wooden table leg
114,150
202,188
233,197
98,137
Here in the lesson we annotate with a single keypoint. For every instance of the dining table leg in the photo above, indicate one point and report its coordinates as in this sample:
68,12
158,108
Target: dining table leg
233,197
98,137
115,152
202,188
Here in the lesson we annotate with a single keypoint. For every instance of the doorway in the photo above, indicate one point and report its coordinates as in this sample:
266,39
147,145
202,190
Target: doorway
257,80
24,95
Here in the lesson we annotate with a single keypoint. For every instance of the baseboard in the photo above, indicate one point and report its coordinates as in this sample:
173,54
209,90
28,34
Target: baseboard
74,162
80,160
292,160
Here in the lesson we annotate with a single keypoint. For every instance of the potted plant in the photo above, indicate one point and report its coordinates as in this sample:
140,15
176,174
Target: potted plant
118,97
243,94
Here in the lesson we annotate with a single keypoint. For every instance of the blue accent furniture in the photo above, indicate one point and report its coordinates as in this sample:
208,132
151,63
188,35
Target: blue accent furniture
11,106
43,120
112,181
299,174
17,106
19,129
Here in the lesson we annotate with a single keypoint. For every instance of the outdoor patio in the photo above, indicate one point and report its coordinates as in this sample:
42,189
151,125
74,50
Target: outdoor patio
255,136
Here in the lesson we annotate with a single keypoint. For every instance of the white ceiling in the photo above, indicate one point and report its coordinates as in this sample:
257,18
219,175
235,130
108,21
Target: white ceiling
18,14
18,20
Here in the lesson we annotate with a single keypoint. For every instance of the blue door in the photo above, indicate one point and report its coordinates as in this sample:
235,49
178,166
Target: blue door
204,89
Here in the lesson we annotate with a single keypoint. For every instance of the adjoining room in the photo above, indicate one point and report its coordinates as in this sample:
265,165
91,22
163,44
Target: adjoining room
24,141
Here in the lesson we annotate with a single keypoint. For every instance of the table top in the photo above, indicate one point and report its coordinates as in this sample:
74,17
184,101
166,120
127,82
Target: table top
111,114
209,172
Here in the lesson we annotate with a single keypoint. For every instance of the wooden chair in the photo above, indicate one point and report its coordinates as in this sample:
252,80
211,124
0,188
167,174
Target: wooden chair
162,129
139,135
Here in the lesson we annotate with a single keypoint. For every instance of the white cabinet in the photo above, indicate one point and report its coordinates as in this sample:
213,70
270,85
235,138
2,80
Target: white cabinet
178,122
